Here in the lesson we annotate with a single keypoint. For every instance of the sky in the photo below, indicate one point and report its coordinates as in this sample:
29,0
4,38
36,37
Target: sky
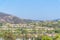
32,9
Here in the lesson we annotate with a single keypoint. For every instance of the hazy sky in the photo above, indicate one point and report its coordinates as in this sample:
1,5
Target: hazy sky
32,9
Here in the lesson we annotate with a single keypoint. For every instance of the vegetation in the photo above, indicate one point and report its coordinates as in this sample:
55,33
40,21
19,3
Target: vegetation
35,31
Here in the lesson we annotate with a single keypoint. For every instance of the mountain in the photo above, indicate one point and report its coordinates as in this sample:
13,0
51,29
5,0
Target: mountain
7,18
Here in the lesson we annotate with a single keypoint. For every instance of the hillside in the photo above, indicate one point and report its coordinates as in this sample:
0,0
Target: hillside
7,18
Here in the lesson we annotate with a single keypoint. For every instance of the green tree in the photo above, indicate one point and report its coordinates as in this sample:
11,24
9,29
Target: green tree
57,37
8,36
46,38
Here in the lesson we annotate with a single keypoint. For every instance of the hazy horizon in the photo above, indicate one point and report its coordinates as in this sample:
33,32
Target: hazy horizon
32,9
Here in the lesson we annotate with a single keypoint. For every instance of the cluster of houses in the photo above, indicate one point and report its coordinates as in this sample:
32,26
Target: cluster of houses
29,27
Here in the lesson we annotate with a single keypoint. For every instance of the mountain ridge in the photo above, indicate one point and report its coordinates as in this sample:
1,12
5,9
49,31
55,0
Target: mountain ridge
7,18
